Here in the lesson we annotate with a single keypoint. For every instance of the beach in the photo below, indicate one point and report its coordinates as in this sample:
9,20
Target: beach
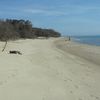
49,69
86,51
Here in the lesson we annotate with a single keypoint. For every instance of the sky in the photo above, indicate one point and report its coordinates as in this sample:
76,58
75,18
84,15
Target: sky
69,17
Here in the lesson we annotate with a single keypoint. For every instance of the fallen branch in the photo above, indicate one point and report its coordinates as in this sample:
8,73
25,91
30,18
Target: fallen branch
4,47
15,52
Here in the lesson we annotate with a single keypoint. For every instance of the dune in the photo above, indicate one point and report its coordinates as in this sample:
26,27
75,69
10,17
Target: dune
48,69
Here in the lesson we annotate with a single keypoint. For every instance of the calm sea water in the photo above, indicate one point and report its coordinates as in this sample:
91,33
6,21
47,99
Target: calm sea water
92,40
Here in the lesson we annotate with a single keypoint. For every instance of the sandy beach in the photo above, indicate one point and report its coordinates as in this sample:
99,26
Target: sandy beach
49,69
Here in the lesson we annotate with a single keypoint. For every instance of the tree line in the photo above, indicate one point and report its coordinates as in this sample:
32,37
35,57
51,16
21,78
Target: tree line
11,29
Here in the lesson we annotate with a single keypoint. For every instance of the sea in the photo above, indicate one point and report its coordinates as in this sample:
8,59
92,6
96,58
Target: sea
91,40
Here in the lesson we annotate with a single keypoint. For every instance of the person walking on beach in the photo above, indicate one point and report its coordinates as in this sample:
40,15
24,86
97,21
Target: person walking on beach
69,38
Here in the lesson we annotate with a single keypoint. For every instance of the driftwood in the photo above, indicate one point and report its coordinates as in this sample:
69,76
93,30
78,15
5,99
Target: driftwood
4,46
15,52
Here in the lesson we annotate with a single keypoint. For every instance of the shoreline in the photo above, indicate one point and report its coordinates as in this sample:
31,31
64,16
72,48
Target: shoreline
88,40
85,51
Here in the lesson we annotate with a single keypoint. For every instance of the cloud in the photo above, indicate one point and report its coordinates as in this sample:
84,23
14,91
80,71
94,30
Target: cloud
45,12
62,10
34,11
68,10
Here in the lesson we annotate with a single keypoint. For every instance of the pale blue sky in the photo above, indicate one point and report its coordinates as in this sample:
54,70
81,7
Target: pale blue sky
76,17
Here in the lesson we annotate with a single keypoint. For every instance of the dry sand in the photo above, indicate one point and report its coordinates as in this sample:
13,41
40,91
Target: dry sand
49,70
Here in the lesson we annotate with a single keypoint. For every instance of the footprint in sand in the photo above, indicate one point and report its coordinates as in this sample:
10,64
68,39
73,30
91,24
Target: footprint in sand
71,92
76,86
70,80
80,99
1,82
8,78
13,75
65,80
97,98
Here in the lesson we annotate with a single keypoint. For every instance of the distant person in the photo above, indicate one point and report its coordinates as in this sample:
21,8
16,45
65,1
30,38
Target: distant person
69,38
